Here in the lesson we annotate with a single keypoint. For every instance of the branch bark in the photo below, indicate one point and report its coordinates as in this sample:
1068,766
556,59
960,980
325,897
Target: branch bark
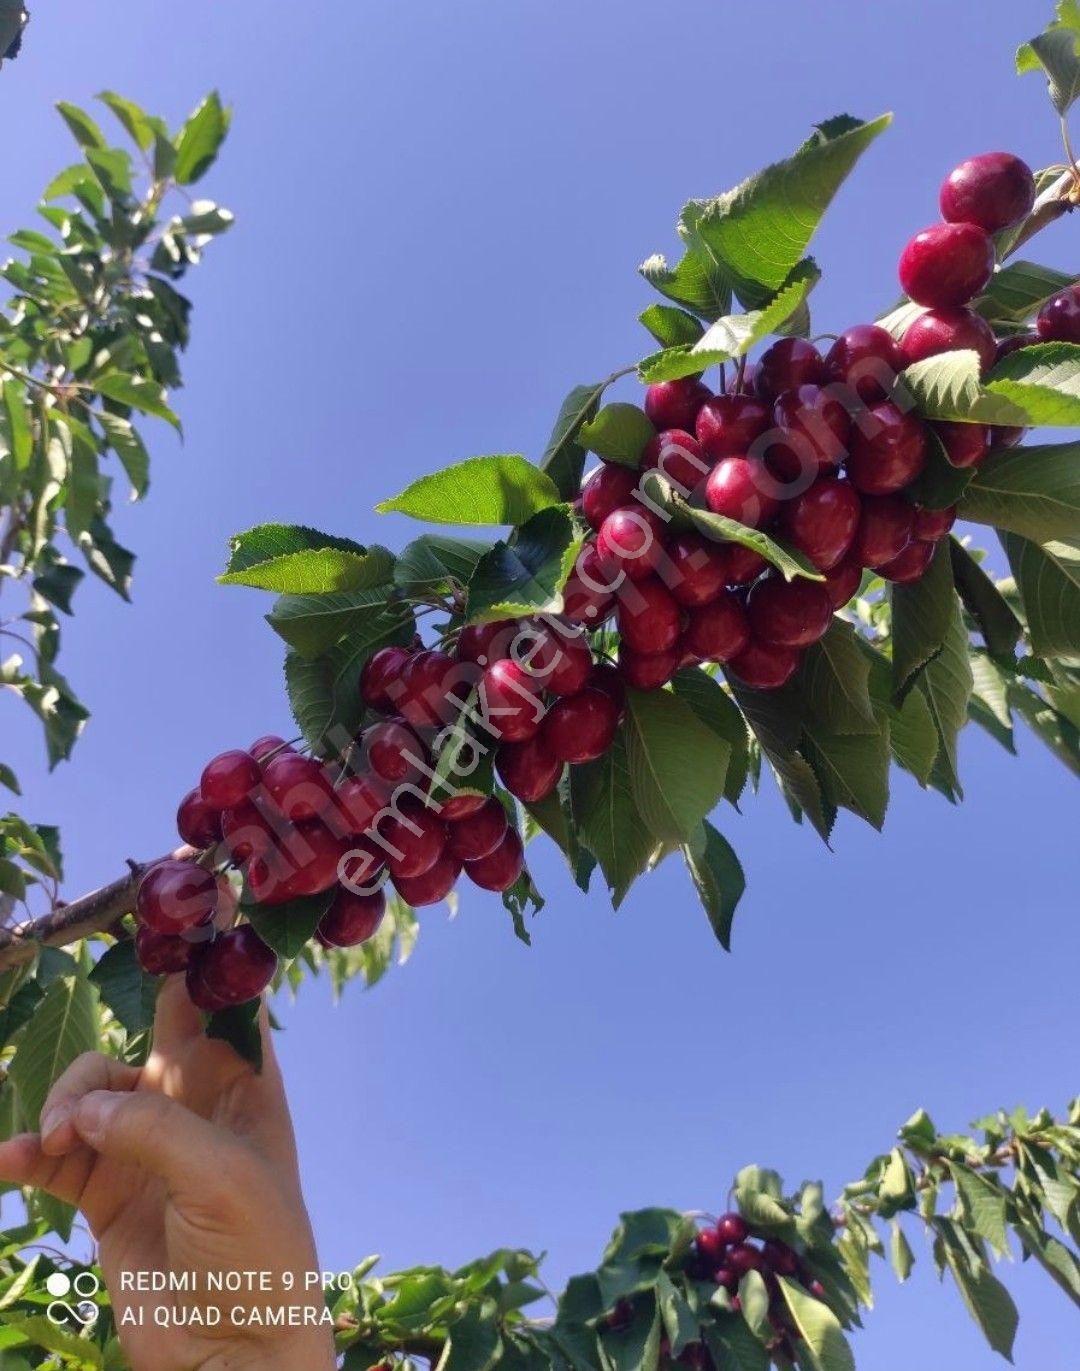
93,913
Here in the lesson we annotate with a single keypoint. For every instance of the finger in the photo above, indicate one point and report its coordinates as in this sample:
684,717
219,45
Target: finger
91,1071
22,1162
176,1020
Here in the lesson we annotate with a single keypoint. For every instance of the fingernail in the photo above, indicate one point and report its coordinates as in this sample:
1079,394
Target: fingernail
54,1118
94,1113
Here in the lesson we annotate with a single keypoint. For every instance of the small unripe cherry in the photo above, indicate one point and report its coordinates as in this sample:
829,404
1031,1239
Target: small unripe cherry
931,525
739,489
161,954
473,838
730,425
609,488
380,669
949,330
947,265
789,613
500,869
530,771
788,364
197,823
994,190
631,540
351,918
581,727
649,617
910,565
228,779
175,896
648,671
675,404
433,885
699,569
884,529
764,666
718,631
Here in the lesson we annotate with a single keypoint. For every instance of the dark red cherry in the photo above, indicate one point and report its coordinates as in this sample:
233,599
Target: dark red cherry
788,613
949,330
931,525
1059,318
581,727
588,596
994,190
175,896
311,854
739,489
947,265
648,671
965,444
500,869
197,991
606,677
559,657
726,1278
393,752
631,540
461,806
609,488
888,450
473,838
788,364
298,786
814,431
744,1258
675,404
484,643
161,954
380,669
884,529
732,1229
351,918
510,701
910,565
247,832
433,885
699,569
237,966
196,822
842,583
764,666
262,749
228,779
780,1258
530,771
649,617
422,691
730,425
744,564
710,1247
414,841
1007,346
718,631
821,522
357,801
867,358
677,456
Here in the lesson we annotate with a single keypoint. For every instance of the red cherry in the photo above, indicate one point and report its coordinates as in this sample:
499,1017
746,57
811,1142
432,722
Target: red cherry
473,838
246,832
298,786
888,450
380,669
631,540
788,613
606,677
710,1247
174,896
868,359
393,752
422,691
351,919
1004,435
582,727
237,966
732,1229
587,595
484,643
931,525
160,954
718,631
821,522
910,565
965,444
738,489
1007,346
228,779
262,749
726,1278
780,1258
842,583
994,190
699,569
530,771
788,364
765,666
814,429
196,822
510,701
560,658
947,265
360,869
434,885
677,456
730,424
609,488
744,564
461,806
199,995
648,671
949,330
500,869
1059,318
357,801
415,841
884,529
744,1258
649,617
675,404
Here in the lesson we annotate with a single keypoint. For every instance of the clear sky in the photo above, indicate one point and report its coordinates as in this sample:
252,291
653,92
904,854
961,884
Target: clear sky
440,212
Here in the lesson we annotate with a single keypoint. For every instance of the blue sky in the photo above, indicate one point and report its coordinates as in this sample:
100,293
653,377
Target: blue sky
440,212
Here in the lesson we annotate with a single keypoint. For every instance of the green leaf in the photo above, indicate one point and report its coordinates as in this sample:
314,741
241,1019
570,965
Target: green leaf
1056,52
619,434
76,1354
313,623
677,763
819,1329
716,709
1038,385
680,1324
437,564
19,1010
853,770
900,1253
138,392
8,779
1048,579
296,560
20,429
921,615
946,684
1018,290
564,457
129,447
987,1300
481,490
984,1205
670,326
200,140
554,816
135,120
289,927
718,878
125,988
239,1027
939,485
759,231
63,1027
774,718
999,626
698,281
1032,491
607,818
989,704
473,1342
527,574
85,130
834,682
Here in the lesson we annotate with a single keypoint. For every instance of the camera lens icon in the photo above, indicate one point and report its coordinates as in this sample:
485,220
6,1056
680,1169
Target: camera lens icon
85,1286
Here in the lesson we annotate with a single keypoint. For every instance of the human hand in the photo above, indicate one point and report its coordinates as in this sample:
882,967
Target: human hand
186,1165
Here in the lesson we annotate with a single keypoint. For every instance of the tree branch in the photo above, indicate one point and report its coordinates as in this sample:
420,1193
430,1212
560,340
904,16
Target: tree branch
93,913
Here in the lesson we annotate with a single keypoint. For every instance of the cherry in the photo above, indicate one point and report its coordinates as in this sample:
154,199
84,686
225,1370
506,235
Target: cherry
510,701
196,822
965,444
313,853
298,786
947,265
699,569
1007,346
484,643
357,801
246,832
351,918
362,866
649,617
199,995
710,1246
842,583
237,966
910,565
949,330
421,691
884,529
731,424
434,885
736,488
228,779
931,525
609,488
393,751
267,879
262,749
732,1228
413,842
675,404
582,727
780,1258
1004,435
718,631
817,1290
174,896
461,806
821,522
500,869
788,364
161,954
473,838
815,429
677,456
380,669
726,1278
560,658
1059,318
648,671
744,1258
744,564
587,595
765,666
530,771
888,450
868,359
788,613
631,540
994,190
606,677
